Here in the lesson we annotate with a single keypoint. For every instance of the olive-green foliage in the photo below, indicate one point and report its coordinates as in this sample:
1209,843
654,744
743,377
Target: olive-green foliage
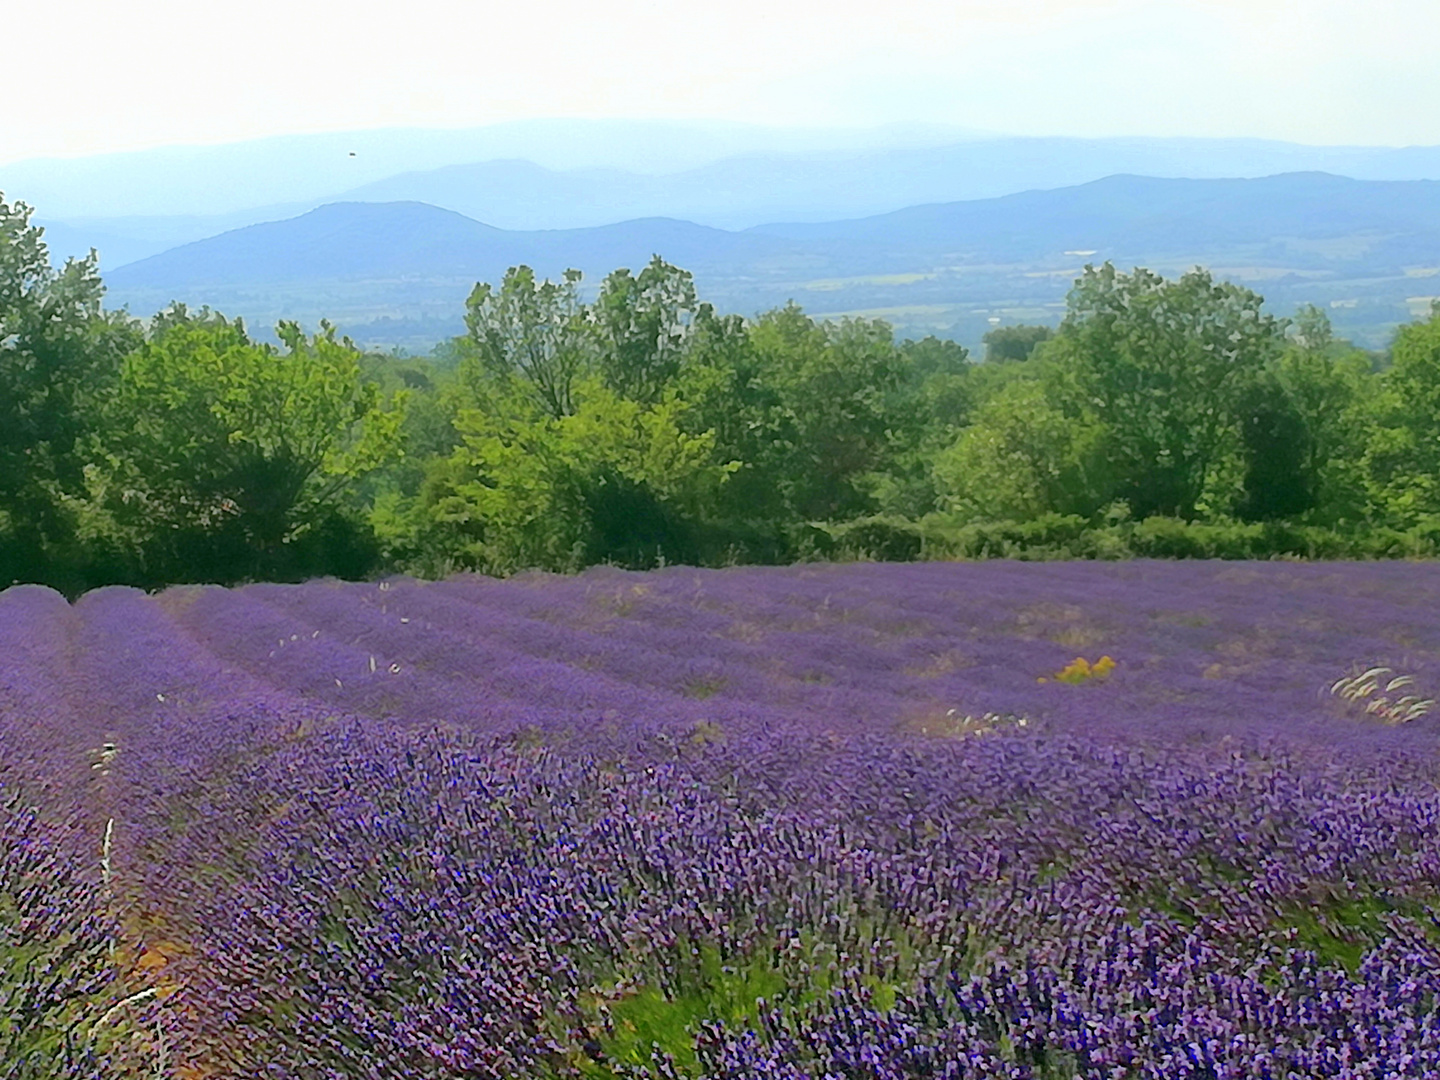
533,335
645,429
642,326
880,538
221,453
1401,463
932,356
1014,342
58,351
572,441
1277,483
1050,536
807,408
1314,417
428,429
1022,457
1162,366
614,480
731,394
1057,536
935,397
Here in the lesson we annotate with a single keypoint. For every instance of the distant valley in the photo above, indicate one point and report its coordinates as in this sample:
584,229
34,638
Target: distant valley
397,273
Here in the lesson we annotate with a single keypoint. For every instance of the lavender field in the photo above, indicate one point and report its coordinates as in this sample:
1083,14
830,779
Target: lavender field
1049,820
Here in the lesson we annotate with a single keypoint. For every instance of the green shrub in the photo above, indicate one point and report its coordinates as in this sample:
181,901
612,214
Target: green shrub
1056,536
883,539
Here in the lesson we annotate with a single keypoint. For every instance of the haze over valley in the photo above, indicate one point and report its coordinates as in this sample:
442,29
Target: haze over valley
937,231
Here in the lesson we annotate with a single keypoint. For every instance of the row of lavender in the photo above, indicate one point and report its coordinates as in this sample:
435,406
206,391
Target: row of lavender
683,823
426,906
68,1008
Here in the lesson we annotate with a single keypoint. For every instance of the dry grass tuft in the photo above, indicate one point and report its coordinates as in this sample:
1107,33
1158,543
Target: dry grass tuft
1360,689
954,724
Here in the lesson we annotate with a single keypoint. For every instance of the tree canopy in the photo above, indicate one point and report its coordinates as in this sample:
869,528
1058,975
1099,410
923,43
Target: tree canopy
639,427
1163,365
536,335
1014,342
211,434
58,352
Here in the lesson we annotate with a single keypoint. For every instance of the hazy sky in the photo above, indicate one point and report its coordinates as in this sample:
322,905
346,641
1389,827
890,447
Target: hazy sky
89,76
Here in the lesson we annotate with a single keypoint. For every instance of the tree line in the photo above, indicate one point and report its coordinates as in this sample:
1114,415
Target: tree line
642,428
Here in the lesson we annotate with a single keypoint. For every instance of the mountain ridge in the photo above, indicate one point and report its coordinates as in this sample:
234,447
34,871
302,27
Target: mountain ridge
1362,247
794,181
409,236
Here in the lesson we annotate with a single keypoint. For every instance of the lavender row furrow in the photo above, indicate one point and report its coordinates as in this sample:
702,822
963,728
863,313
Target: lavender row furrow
865,821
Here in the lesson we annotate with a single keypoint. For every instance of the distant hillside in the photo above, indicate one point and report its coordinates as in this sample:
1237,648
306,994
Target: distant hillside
1366,249
516,194
123,240
566,174
817,186
221,179
1130,215
65,240
362,241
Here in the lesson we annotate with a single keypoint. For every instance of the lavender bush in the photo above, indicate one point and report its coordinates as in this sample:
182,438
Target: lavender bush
939,820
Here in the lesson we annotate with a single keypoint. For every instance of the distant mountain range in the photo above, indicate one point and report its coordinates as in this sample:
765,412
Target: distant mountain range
290,169
740,192
365,241
1125,216
397,273
559,174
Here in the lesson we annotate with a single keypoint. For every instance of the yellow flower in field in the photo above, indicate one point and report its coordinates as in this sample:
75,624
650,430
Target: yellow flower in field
1081,670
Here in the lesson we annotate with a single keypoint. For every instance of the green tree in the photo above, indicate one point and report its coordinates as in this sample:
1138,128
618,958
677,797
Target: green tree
932,356
1330,386
614,480
1163,366
1401,461
728,394
428,430
58,353
1277,482
828,387
1303,425
214,439
936,396
643,327
539,336
1014,342
1022,457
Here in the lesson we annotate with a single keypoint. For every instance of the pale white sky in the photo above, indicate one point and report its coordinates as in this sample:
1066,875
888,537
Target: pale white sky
92,76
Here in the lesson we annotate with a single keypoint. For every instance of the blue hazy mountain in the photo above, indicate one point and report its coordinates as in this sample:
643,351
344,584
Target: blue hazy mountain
289,169
385,241
75,239
1127,215
739,192
122,240
1369,250
558,174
